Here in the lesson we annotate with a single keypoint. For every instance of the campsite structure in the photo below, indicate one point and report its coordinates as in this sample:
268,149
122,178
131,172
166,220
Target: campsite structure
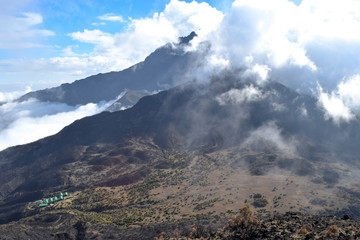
46,202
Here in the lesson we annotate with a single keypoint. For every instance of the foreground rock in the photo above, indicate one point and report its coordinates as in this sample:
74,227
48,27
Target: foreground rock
242,226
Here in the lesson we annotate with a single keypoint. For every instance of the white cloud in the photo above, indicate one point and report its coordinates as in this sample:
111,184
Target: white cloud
262,30
68,52
94,36
269,135
98,24
278,107
21,32
111,17
349,92
240,96
330,19
37,72
31,120
144,35
303,111
10,96
187,17
316,41
255,71
342,104
335,108
114,52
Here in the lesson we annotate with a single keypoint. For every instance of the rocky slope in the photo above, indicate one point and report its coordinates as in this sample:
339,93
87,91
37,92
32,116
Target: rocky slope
192,153
291,225
129,99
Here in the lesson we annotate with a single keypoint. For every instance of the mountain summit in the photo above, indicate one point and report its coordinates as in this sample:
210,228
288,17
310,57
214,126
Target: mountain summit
161,70
187,39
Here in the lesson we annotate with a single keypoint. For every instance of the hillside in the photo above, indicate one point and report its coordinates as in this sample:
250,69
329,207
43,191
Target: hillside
290,225
192,153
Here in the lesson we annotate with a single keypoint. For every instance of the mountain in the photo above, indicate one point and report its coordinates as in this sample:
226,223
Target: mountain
160,70
128,99
196,153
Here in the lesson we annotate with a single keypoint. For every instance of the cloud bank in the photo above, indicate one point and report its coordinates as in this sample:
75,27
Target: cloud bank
10,96
29,121
312,48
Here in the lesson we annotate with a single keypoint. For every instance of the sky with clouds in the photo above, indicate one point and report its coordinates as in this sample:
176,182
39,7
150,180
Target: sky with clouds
44,43
310,45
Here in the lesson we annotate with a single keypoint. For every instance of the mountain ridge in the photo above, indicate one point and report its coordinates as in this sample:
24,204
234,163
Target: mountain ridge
160,70
126,148
197,152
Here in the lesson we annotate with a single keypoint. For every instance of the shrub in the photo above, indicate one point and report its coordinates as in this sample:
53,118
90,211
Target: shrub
303,231
257,195
333,230
241,226
260,202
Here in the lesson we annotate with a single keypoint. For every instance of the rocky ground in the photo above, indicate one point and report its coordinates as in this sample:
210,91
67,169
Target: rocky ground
200,195
152,171
244,225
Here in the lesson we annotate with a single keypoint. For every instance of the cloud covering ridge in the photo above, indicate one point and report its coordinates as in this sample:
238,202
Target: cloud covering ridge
313,47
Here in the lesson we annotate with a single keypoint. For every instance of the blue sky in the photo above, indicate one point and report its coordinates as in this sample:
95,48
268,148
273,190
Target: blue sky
45,34
38,34
66,16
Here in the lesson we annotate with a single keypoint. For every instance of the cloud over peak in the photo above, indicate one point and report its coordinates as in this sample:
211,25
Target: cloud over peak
314,43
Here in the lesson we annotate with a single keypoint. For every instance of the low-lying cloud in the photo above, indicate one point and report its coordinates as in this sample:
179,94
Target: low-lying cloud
10,96
240,96
25,122
343,103
269,136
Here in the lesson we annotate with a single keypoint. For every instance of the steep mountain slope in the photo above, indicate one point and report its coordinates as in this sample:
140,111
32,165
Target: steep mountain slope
192,152
160,70
129,99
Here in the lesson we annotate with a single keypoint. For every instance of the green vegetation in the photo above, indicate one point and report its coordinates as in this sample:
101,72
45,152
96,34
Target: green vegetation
257,195
260,202
206,204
